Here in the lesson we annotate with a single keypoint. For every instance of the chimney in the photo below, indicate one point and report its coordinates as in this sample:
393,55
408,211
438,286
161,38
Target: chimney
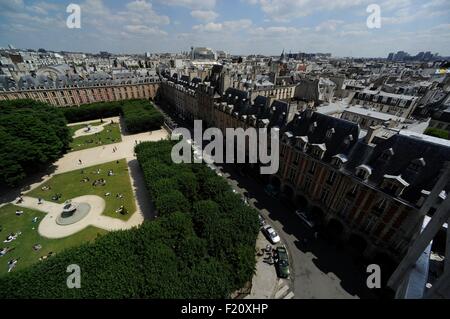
371,133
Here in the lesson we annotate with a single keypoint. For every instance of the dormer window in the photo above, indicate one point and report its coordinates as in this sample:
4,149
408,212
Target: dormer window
330,132
394,185
338,160
286,137
387,154
312,127
348,140
417,164
318,150
302,142
363,171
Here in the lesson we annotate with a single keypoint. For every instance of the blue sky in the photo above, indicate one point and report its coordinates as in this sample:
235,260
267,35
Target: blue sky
236,26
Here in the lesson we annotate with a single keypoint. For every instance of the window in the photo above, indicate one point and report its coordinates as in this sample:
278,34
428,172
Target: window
324,195
380,207
352,191
312,168
391,188
330,132
386,155
292,174
296,158
331,177
307,184
369,223
345,209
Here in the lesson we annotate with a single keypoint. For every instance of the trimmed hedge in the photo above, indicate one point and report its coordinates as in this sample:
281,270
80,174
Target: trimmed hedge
436,132
32,136
141,116
92,111
203,246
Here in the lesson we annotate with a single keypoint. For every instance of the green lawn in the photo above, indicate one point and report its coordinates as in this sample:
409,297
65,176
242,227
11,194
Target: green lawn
110,134
70,185
23,245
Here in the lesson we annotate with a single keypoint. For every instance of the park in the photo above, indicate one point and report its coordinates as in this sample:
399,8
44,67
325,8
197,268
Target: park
138,224
81,200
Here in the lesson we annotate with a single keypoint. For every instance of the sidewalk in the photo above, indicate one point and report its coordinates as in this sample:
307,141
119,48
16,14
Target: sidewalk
265,281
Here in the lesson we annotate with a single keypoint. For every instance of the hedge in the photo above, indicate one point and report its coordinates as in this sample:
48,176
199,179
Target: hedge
432,131
203,246
141,116
92,111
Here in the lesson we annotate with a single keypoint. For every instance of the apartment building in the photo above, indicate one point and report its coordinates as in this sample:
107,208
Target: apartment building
365,187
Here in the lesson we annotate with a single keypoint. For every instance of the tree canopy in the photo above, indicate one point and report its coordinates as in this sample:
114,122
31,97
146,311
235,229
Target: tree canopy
33,134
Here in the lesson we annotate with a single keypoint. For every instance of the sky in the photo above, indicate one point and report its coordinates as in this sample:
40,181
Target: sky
235,26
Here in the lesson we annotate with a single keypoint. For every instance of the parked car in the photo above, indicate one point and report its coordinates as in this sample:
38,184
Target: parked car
271,191
305,218
271,234
282,262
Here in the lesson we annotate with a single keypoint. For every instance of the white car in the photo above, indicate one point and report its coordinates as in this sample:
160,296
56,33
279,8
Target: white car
271,234
305,218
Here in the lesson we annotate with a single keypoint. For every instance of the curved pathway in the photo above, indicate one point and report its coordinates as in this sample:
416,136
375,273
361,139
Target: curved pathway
50,229
91,157
94,130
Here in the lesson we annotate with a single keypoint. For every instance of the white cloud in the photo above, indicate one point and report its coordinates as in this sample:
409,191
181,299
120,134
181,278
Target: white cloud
209,27
286,10
329,25
204,15
144,30
191,4
227,26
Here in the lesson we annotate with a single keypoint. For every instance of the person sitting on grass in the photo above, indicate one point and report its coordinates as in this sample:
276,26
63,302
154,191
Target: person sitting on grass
46,256
5,250
11,264
122,210
11,237
37,247
19,212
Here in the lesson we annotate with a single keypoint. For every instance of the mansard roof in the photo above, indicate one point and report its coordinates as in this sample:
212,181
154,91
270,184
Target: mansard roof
340,142
407,149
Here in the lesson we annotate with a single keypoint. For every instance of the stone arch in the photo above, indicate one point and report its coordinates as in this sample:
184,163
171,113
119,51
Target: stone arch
275,181
335,228
288,192
301,202
317,213
357,242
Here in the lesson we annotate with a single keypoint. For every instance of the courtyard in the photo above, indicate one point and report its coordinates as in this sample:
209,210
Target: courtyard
102,176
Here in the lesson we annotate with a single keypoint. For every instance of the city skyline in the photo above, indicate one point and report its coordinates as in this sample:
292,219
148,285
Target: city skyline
239,27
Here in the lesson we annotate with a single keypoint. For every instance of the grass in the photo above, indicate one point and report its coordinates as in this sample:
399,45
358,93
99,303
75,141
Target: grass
23,245
110,134
70,185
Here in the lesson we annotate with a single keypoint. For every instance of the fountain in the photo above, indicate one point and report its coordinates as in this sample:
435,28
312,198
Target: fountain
72,213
